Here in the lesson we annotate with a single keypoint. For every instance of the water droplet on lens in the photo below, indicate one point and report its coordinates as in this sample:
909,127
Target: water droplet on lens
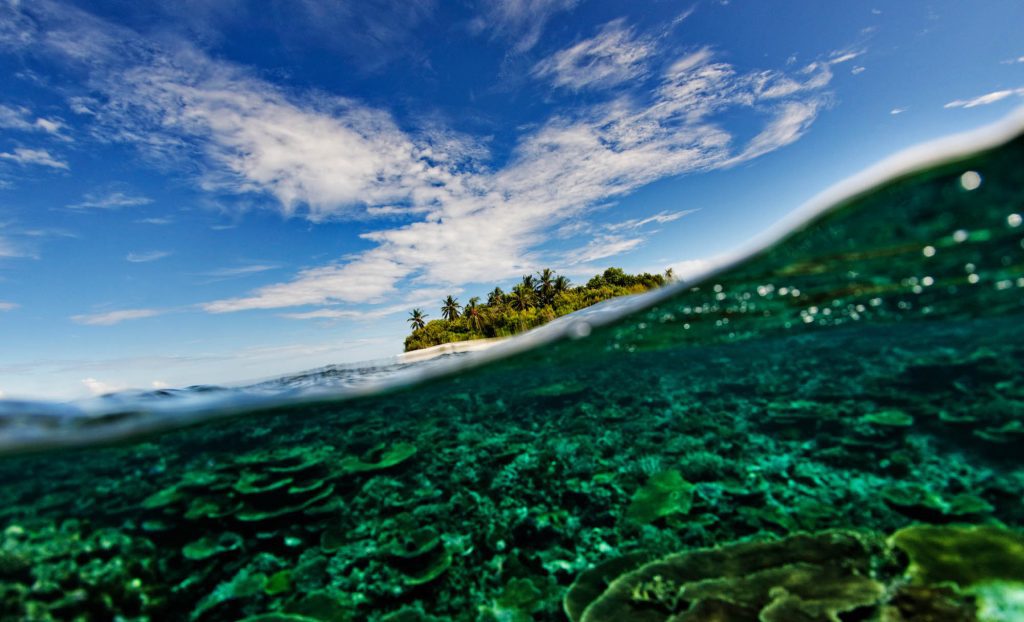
579,330
970,180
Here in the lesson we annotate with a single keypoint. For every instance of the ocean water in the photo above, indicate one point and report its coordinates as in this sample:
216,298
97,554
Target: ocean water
831,428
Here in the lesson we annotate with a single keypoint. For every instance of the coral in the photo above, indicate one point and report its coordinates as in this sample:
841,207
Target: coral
922,504
208,546
663,494
812,577
591,583
889,419
938,553
73,572
379,458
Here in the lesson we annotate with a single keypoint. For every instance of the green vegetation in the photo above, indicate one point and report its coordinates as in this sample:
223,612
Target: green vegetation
534,301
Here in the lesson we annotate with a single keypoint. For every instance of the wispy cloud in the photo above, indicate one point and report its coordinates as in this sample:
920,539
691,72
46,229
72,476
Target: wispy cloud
350,314
659,218
147,256
227,273
984,100
8,306
111,200
155,221
520,21
21,118
40,157
842,56
896,111
423,297
603,246
114,317
11,249
616,54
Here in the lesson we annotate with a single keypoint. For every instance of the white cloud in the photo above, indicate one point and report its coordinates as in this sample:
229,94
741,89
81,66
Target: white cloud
323,157
40,157
98,387
155,221
612,57
366,279
147,256
603,246
111,200
349,314
983,100
896,111
659,218
520,21
114,317
8,306
858,70
843,56
789,124
227,273
20,118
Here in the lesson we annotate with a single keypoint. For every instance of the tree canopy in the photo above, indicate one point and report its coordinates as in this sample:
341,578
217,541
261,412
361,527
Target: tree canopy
535,300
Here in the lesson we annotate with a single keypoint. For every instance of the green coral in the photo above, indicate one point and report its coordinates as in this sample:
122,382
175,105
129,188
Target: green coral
663,494
889,419
803,577
379,458
963,555
208,546
921,503
982,561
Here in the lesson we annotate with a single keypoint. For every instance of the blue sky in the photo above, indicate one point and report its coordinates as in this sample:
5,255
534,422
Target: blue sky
213,191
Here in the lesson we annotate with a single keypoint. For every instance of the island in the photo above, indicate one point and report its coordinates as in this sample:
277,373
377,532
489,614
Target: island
535,300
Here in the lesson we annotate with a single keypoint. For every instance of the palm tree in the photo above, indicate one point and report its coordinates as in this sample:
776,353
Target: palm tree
528,282
416,318
562,284
496,298
450,309
522,297
472,314
670,275
546,279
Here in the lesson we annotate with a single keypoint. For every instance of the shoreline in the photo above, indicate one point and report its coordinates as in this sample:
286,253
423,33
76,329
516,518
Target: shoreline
454,347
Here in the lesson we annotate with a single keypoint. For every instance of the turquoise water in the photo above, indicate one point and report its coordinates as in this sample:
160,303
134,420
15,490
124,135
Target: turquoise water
803,436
